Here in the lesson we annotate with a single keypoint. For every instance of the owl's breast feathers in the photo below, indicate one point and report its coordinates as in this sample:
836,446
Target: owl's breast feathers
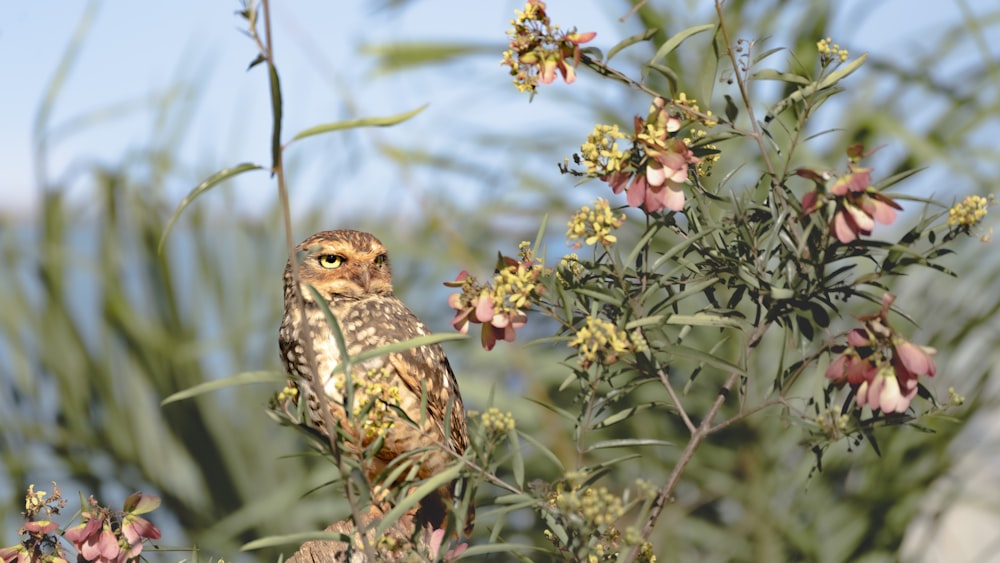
368,323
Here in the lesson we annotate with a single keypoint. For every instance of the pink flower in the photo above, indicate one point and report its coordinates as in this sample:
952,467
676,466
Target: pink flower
858,205
662,185
15,553
886,392
94,540
880,366
480,304
40,527
855,181
135,528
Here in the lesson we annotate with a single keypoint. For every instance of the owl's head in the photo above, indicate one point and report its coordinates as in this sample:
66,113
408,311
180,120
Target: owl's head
342,263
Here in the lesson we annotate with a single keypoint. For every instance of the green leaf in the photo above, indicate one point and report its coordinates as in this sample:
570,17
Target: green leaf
355,123
599,295
896,178
679,38
705,358
690,289
394,57
415,342
643,241
679,247
771,74
627,443
627,413
296,538
516,461
501,547
843,72
629,41
706,319
201,188
240,379
827,83
276,113
543,449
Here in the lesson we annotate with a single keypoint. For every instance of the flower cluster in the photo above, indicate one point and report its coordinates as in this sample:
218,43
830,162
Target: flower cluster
570,268
601,154
499,306
830,51
970,211
600,341
654,169
103,535
881,366
594,225
375,395
538,49
497,421
858,206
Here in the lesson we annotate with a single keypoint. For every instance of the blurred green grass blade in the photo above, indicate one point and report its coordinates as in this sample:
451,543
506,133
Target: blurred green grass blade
355,123
201,188
294,539
394,57
239,379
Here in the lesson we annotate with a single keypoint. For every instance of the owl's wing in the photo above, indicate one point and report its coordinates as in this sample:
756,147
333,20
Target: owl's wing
426,372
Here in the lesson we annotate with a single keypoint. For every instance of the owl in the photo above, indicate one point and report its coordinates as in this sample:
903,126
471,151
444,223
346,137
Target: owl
350,273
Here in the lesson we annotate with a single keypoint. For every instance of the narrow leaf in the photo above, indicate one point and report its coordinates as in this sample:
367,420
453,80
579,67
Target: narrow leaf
415,342
355,123
629,41
296,538
201,188
679,38
627,443
545,451
427,487
706,319
702,357
233,381
517,461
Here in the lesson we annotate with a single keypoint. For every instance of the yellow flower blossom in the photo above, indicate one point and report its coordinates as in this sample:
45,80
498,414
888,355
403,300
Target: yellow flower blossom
601,154
600,341
289,392
970,211
594,225
374,396
495,420
828,51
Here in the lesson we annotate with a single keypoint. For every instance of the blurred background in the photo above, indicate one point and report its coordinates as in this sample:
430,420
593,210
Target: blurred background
113,111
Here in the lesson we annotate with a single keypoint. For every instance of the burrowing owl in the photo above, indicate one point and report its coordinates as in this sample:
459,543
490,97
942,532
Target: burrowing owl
350,272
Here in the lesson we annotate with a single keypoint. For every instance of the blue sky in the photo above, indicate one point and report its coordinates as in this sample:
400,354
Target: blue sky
137,50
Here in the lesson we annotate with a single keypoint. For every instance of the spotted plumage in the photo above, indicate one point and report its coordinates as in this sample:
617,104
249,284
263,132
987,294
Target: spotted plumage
351,274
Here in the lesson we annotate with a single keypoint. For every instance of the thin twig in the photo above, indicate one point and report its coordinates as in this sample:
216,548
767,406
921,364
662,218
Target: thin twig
277,152
665,379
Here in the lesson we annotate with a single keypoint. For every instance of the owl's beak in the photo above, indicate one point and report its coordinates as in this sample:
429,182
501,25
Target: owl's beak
363,278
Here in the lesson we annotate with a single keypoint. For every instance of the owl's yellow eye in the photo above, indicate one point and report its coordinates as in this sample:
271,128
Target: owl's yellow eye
380,260
331,261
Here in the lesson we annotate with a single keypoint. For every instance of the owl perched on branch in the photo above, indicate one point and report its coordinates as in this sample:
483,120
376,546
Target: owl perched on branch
408,399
